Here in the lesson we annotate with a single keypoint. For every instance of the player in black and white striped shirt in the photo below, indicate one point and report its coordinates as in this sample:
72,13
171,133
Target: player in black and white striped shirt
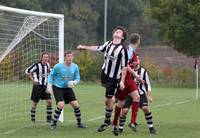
144,90
113,70
38,74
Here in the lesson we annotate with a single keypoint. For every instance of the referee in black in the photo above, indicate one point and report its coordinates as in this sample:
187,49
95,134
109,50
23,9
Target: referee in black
38,74
113,70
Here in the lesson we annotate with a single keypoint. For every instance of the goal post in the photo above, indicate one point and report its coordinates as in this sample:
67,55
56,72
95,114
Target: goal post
196,67
24,35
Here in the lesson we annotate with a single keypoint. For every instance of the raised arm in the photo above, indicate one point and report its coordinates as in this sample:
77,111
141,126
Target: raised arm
84,47
101,48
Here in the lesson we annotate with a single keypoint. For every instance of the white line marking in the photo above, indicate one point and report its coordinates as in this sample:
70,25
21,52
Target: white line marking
182,102
162,105
12,131
96,118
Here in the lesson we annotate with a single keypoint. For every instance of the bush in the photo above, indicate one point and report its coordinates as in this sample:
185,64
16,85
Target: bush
185,76
152,68
89,65
6,69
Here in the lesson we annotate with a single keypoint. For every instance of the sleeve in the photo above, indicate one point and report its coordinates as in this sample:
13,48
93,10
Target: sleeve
31,69
49,68
124,57
130,52
103,47
77,74
52,74
147,81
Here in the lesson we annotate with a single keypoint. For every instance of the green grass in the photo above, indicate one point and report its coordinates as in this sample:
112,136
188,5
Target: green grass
175,114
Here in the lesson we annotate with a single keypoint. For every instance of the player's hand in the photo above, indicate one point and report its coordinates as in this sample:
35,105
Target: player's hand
150,99
121,85
140,79
35,82
135,64
72,84
49,89
80,47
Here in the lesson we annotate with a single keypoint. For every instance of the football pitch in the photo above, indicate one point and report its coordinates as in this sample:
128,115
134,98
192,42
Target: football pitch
175,113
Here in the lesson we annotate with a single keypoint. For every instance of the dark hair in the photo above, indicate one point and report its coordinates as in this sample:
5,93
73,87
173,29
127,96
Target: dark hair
125,34
134,38
68,52
44,53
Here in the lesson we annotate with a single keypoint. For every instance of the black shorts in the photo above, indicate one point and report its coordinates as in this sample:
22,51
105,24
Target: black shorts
38,92
143,101
110,84
64,94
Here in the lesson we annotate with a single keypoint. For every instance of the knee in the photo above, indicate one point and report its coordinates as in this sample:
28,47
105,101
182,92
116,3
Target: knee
108,102
61,105
124,112
34,104
49,102
74,104
120,103
145,109
136,98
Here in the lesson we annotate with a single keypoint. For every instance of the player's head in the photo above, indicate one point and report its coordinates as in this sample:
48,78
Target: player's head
69,57
134,39
120,33
44,57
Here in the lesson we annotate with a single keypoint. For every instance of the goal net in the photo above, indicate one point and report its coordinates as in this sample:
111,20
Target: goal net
24,35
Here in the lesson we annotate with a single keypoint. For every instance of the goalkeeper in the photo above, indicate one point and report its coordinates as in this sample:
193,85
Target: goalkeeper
61,81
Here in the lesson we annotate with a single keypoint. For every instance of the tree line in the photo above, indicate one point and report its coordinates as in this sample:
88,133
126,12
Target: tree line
171,22
84,19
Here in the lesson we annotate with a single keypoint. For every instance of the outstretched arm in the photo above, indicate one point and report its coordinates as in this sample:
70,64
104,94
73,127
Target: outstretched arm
84,47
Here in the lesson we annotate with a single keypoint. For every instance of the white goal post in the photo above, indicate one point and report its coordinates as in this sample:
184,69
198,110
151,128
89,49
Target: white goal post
24,35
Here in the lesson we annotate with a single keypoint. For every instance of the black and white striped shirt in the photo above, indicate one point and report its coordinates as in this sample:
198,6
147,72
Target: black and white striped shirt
143,88
39,72
115,58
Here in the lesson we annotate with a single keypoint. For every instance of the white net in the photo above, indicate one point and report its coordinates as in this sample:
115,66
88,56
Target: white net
22,40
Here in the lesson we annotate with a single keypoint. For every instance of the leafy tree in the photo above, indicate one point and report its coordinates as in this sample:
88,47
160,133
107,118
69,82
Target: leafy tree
23,4
81,23
119,12
179,24
130,14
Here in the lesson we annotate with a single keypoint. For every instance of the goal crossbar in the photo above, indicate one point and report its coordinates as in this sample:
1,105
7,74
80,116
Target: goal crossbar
28,12
36,13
